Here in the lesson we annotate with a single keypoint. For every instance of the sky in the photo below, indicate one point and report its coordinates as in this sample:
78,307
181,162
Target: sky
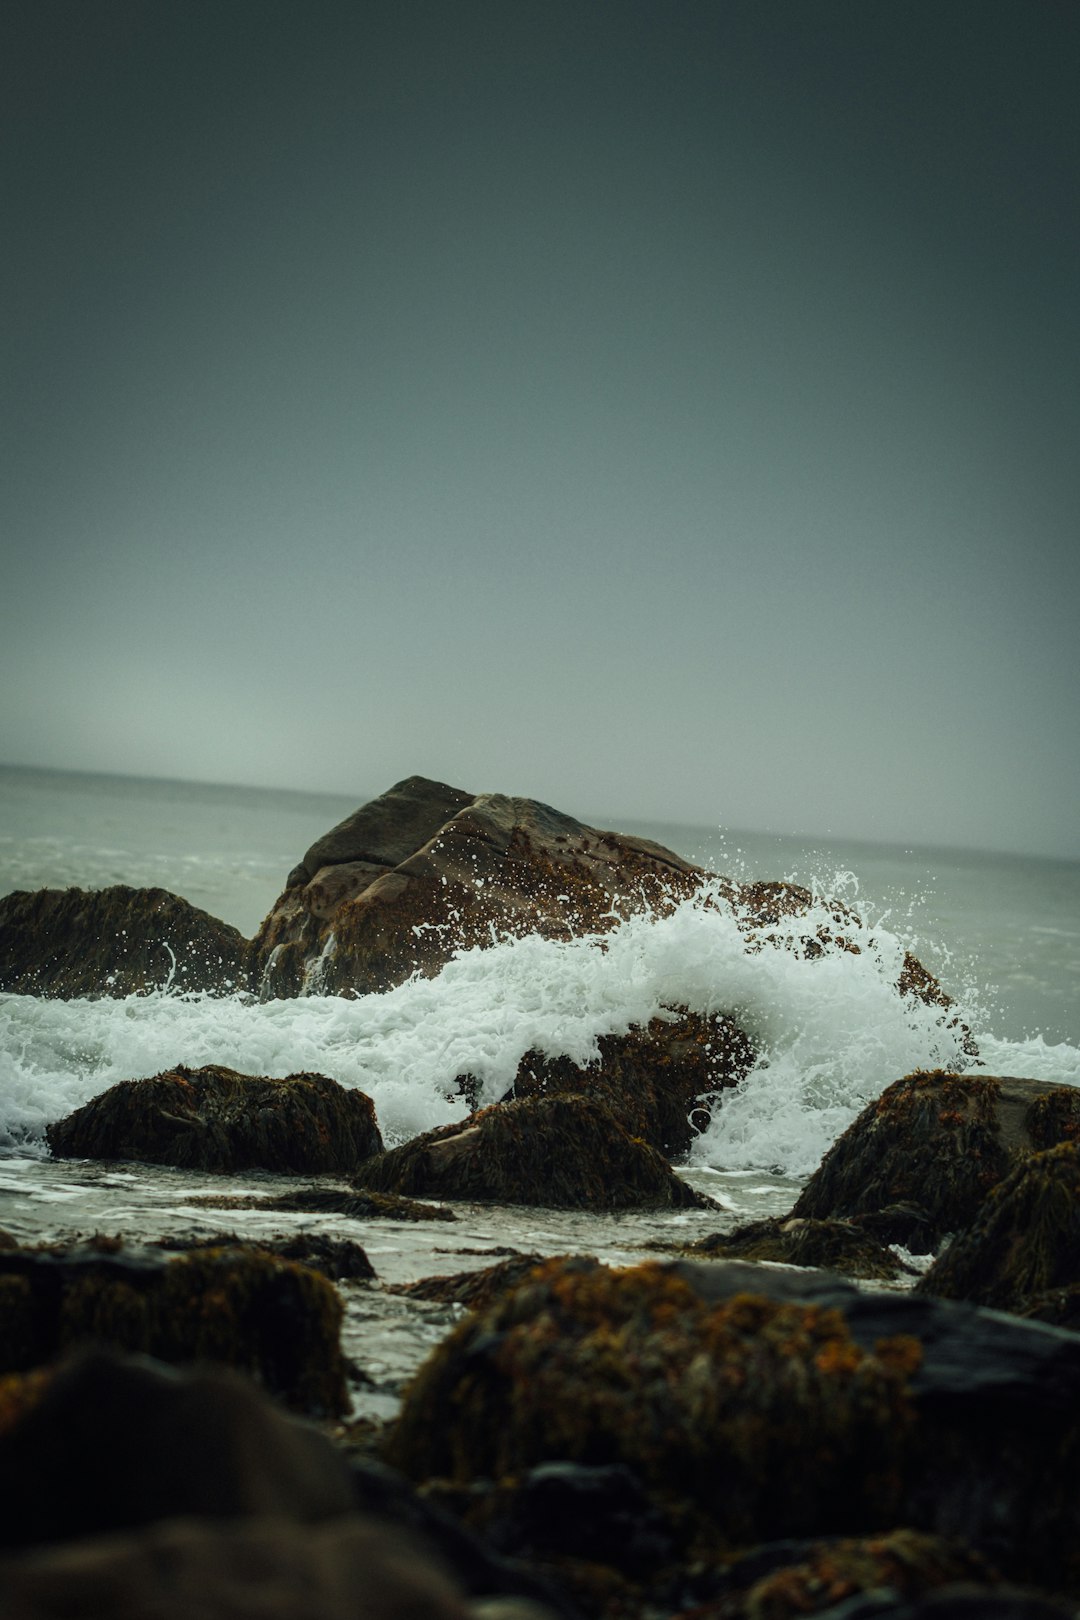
667,408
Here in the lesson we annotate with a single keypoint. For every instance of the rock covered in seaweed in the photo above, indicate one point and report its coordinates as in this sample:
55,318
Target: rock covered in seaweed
115,942
560,1152
215,1119
919,1162
1022,1251
659,1079
276,1321
753,1403
755,1417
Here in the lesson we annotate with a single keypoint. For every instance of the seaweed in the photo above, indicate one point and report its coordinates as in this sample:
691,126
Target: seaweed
1023,1249
563,1152
753,1415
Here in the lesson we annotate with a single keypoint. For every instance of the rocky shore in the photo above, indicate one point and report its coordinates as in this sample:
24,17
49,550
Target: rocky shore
736,1430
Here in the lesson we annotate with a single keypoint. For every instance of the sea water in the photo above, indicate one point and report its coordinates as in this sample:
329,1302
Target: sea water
1002,932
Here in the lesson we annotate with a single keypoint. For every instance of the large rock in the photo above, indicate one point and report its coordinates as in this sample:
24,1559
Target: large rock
1022,1251
275,1321
426,870
215,1119
660,1079
561,1152
755,1403
749,1419
919,1162
115,942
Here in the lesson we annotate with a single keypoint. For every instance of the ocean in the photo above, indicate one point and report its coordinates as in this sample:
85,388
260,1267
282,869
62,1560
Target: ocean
1001,931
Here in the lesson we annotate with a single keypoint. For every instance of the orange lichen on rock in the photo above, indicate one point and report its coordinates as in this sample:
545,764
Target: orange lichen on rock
764,1417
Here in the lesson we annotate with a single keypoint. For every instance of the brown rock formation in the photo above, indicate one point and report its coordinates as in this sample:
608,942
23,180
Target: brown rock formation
216,1119
561,1152
114,942
919,1162
657,1079
426,870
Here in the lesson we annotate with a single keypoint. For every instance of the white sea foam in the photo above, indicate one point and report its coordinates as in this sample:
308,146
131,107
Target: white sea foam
831,1031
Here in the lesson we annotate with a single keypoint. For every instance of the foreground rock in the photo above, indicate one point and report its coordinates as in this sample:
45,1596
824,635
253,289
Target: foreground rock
919,1162
215,1119
1022,1251
115,942
660,1080
426,870
275,1321
560,1152
131,1491
753,1404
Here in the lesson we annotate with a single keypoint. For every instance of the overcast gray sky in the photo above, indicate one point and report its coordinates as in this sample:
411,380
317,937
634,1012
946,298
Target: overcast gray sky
667,409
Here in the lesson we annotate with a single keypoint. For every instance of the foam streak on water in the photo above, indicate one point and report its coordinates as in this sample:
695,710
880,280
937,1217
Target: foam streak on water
831,1030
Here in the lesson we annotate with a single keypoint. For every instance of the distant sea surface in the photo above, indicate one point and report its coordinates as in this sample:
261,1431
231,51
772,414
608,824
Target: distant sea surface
1003,928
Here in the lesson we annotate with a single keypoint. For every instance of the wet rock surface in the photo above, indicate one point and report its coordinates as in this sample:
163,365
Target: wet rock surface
115,942
215,1119
427,869
568,1152
1021,1253
660,1080
826,1245
272,1319
919,1162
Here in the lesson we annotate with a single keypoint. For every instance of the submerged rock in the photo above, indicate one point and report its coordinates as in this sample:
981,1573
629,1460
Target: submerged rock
827,1245
476,1290
660,1079
426,870
115,942
335,1258
560,1152
129,1489
919,1162
1022,1251
274,1320
215,1119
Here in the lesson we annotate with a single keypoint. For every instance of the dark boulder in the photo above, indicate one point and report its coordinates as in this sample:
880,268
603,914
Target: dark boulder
276,1321
560,1152
930,1149
338,1259
753,1402
215,1119
1022,1251
258,1568
113,1442
660,1079
750,1418
115,942
474,1289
